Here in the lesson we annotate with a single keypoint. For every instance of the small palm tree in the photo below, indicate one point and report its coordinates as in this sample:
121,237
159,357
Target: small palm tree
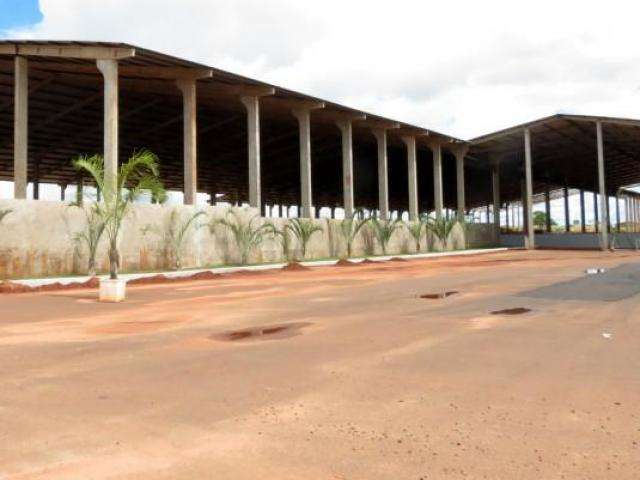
303,229
176,233
384,230
4,213
137,175
90,236
350,227
247,233
416,229
441,228
282,234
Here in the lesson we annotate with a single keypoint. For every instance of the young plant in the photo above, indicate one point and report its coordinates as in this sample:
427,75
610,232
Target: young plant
176,232
4,213
282,234
441,228
90,236
303,229
350,227
416,229
384,230
247,233
137,175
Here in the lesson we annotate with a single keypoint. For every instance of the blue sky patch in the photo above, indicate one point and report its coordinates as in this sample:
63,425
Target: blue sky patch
18,13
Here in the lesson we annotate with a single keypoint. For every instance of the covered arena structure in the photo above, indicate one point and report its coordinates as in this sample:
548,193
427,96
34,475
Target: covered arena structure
223,136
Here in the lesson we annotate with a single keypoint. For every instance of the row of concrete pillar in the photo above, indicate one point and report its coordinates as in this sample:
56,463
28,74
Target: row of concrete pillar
300,110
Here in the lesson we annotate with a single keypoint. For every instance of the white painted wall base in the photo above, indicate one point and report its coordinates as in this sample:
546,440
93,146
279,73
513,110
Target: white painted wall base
112,290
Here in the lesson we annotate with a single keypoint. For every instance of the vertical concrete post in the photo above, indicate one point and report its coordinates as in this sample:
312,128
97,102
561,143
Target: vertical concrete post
438,197
383,173
618,229
109,70
528,197
583,223
596,214
547,209
304,127
460,153
189,139
346,131
567,213
495,188
252,105
36,181
63,188
20,127
412,175
604,217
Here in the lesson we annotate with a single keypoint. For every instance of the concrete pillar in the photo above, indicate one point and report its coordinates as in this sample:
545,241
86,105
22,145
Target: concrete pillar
596,214
583,222
36,181
252,105
383,173
460,153
20,127
618,214
306,196
109,70
412,174
567,214
507,222
604,217
438,197
347,166
63,188
528,197
547,209
495,188
80,189
189,139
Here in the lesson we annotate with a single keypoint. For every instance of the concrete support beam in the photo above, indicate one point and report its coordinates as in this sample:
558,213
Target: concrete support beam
567,213
583,221
596,214
495,188
604,217
460,153
109,70
189,139
383,172
63,190
20,127
528,191
618,213
547,209
346,131
412,174
438,194
303,114
252,105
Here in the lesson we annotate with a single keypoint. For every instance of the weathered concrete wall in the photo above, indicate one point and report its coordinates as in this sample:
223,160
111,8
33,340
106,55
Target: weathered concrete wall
37,240
573,240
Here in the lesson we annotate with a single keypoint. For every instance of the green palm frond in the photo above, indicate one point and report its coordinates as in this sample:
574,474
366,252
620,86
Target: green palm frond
441,228
384,230
4,213
247,234
303,229
350,227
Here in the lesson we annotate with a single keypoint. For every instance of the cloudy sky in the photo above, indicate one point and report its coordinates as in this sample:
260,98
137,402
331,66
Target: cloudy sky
460,67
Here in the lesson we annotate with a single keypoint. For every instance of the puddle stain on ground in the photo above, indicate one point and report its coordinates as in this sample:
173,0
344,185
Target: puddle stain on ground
268,332
439,295
511,311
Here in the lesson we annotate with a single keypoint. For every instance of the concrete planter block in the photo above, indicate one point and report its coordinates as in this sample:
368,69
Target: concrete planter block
112,290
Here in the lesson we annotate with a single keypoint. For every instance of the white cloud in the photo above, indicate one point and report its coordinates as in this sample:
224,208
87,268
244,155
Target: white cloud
462,67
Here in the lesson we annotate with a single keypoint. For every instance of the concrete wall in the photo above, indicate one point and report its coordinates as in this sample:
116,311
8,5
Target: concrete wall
37,240
572,240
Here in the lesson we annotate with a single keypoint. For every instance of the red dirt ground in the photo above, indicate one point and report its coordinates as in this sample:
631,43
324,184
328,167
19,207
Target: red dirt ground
366,380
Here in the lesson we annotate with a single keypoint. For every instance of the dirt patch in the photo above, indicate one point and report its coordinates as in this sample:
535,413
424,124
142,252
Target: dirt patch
343,262
398,259
267,332
439,295
294,267
511,311
15,287
367,260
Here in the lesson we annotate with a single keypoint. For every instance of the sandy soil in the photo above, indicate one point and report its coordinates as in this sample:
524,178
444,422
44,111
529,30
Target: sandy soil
329,373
